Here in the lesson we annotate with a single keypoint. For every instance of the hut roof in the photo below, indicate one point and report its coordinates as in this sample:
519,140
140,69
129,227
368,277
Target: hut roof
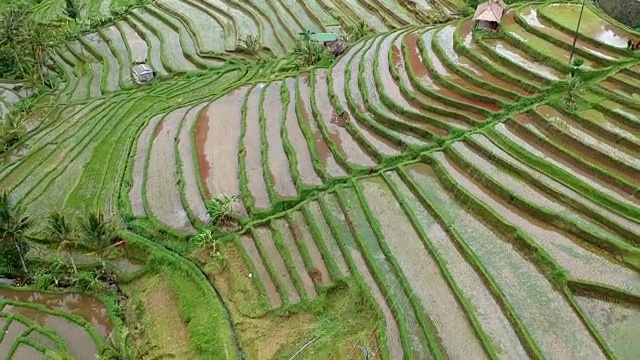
141,68
490,11
324,37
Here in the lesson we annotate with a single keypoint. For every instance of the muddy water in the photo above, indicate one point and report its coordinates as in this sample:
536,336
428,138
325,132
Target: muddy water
415,59
162,191
189,172
401,63
519,58
217,134
566,249
550,155
416,62
367,58
432,57
80,344
445,39
283,229
453,330
14,331
307,173
382,145
486,309
617,323
26,352
591,146
465,32
279,167
539,306
264,237
390,87
252,148
89,308
249,246
326,237
301,233
304,107
476,70
334,122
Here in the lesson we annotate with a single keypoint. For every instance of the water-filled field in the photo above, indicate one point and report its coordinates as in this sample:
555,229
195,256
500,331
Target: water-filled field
439,171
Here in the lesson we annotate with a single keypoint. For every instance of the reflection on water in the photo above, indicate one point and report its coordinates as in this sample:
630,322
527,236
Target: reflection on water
79,342
610,38
89,308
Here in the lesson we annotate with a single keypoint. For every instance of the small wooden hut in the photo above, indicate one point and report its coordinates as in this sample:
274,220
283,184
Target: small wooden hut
142,73
488,14
331,41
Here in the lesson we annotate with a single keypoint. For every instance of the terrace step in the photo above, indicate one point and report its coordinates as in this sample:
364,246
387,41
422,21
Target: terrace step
571,252
341,229
532,300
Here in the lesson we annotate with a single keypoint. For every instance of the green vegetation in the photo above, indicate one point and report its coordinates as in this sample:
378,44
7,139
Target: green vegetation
423,190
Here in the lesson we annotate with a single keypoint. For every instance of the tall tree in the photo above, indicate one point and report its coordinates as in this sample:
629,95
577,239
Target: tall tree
14,223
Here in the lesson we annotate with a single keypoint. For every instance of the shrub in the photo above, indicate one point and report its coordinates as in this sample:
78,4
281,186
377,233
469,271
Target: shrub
220,208
251,43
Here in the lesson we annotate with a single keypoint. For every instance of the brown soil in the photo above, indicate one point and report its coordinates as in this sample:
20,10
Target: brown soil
161,319
341,119
316,276
415,59
190,173
202,129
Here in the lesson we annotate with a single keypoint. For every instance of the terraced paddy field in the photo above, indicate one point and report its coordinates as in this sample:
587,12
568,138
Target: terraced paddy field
436,177
34,323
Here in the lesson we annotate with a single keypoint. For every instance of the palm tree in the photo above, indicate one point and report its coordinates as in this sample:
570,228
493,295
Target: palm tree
97,234
14,223
122,347
62,232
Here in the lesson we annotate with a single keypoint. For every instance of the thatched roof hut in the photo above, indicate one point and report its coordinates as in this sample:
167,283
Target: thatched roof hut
488,14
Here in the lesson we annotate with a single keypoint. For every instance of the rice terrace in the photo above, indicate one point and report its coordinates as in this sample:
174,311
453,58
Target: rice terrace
318,179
